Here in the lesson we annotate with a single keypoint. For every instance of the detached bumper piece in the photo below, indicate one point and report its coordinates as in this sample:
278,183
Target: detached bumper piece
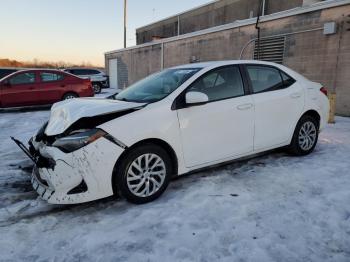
35,156
41,186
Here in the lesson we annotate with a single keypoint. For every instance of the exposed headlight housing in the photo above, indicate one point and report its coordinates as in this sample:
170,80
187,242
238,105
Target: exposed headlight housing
78,140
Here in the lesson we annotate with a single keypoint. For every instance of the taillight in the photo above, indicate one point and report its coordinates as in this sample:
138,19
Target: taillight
324,91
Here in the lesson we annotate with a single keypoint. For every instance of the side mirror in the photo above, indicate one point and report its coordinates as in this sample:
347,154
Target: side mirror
196,98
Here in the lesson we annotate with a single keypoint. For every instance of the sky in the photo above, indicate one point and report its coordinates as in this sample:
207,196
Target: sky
76,31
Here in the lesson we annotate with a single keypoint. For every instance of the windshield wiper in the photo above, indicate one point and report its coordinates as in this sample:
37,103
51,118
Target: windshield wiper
123,99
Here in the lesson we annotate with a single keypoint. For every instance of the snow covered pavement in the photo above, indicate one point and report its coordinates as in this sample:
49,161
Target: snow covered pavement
271,208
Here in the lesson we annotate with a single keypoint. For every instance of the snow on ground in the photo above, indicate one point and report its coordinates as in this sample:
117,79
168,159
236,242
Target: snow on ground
271,208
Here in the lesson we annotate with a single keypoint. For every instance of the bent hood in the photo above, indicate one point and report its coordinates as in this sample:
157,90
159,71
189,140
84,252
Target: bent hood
68,112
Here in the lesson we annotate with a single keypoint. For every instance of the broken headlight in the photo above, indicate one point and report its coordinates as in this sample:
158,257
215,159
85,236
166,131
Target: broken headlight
78,140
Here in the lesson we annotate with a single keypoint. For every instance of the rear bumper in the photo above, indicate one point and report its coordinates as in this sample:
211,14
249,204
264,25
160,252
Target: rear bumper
104,83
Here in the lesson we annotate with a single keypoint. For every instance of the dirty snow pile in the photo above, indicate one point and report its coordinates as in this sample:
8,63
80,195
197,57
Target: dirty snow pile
271,208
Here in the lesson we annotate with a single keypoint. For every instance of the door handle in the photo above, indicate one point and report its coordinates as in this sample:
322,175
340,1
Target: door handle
31,87
295,95
63,85
244,106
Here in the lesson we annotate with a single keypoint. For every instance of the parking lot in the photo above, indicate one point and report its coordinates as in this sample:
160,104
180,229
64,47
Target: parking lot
271,208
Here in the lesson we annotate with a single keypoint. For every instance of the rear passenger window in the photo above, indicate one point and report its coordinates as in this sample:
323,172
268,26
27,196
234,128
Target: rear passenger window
79,72
220,84
48,77
264,78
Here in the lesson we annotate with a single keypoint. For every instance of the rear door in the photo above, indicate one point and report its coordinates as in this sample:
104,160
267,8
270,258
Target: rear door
52,86
278,100
20,89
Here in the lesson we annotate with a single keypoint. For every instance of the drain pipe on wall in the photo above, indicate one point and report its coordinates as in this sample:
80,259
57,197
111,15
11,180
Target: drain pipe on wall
260,12
162,56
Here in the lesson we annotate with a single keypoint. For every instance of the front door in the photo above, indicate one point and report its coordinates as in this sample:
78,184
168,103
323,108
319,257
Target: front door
221,128
20,90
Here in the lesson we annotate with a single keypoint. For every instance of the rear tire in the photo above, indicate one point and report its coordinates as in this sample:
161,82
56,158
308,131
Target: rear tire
69,96
305,136
143,174
97,87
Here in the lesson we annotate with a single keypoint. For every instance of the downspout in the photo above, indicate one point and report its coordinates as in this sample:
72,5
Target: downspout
162,56
260,13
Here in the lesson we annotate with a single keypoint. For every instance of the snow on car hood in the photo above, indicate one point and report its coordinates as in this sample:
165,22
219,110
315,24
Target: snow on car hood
65,113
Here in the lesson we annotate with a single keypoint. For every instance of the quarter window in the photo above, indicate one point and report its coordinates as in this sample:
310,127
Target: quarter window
287,80
23,78
220,84
264,78
48,77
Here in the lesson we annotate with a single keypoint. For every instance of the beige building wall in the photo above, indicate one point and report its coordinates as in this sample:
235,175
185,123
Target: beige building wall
321,58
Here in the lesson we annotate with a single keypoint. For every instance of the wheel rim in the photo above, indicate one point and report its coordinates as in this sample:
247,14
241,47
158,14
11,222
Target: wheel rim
146,175
97,88
69,97
307,136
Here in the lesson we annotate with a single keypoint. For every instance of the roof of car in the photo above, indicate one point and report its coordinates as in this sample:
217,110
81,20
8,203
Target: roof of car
39,69
223,62
84,68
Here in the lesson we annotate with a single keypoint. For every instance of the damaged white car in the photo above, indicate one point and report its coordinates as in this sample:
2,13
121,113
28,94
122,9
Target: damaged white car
178,120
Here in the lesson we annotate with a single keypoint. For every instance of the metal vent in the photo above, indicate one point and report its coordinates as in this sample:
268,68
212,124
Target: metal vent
271,49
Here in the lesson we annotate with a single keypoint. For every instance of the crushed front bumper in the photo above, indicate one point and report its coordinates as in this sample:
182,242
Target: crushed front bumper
81,176
40,186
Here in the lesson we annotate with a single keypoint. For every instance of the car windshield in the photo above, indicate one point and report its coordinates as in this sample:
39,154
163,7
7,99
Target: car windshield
157,86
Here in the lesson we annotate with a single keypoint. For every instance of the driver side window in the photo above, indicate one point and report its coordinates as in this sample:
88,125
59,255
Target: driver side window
22,78
220,84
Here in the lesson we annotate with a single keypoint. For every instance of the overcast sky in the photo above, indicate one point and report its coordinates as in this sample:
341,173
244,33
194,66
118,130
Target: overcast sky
76,30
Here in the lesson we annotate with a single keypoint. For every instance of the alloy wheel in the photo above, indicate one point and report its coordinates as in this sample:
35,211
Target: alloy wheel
307,135
145,175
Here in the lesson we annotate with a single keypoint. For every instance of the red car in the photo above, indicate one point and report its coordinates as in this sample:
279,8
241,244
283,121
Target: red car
41,87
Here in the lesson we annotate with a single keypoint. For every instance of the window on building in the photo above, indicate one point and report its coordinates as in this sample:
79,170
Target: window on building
270,49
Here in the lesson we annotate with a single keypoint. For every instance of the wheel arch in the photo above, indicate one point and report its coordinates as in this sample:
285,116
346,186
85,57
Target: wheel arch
154,141
313,113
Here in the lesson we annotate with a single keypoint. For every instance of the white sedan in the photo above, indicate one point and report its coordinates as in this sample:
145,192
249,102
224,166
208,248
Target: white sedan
178,120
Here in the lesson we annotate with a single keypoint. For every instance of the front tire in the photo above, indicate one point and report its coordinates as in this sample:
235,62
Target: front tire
305,136
143,174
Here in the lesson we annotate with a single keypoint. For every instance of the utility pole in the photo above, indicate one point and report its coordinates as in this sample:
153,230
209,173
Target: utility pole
125,7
